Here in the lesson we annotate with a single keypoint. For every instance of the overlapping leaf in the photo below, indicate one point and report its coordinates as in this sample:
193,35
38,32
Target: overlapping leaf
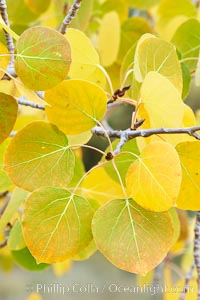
161,107
154,54
43,58
130,237
187,41
8,115
154,179
4,59
56,224
189,153
19,12
75,105
38,6
109,39
85,59
39,156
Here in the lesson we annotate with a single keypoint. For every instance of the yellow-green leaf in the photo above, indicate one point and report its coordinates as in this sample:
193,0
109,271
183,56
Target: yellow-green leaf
75,105
154,179
130,237
8,29
4,59
16,238
8,115
85,59
43,58
131,30
19,12
38,6
189,153
39,156
5,183
56,224
16,200
109,39
154,54
143,4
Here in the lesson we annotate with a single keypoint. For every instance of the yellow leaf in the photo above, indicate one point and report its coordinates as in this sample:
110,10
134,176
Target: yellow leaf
154,179
4,59
62,267
8,87
189,153
174,292
161,107
34,296
85,59
98,185
109,39
75,105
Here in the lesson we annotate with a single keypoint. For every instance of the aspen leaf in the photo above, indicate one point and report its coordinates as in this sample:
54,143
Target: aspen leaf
9,30
109,39
16,238
187,41
34,296
5,183
62,267
83,16
86,253
161,107
8,115
130,237
197,73
24,258
4,59
39,156
17,198
8,87
19,12
154,179
154,54
38,6
189,153
43,58
98,185
56,224
131,30
75,105
85,59
143,4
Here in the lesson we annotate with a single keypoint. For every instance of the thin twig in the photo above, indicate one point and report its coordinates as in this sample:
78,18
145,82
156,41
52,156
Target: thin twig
71,14
187,282
9,39
197,250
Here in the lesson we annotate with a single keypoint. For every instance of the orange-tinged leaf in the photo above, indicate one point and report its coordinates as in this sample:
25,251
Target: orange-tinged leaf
43,58
154,179
189,153
75,105
39,156
8,115
56,224
130,237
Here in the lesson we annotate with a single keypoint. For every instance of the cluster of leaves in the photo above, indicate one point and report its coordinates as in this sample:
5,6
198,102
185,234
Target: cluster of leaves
123,207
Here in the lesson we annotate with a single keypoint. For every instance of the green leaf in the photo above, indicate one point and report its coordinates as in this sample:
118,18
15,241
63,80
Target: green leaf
131,30
25,260
39,156
189,153
154,54
8,115
130,237
75,105
186,80
154,179
16,238
187,41
43,58
16,200
56,224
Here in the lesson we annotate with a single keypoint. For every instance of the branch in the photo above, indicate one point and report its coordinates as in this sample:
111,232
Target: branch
187,281
22,101
71,14
125,135
197,250
9,39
